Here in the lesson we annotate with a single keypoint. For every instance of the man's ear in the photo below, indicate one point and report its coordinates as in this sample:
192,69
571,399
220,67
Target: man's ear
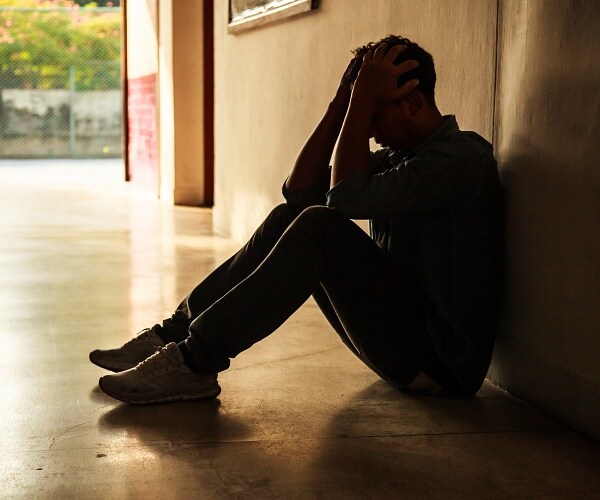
416,102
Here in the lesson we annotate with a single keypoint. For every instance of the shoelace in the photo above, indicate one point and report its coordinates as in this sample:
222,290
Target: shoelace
159,362
142,336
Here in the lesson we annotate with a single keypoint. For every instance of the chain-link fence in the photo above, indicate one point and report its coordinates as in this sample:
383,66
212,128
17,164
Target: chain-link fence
60,80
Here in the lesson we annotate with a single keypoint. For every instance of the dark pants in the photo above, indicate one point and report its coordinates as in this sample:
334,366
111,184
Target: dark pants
292,255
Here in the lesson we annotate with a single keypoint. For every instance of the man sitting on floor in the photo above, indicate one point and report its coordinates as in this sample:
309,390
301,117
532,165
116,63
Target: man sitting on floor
416,301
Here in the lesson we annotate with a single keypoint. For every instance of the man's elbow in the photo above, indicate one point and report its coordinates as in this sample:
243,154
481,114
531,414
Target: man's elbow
345,207
337,204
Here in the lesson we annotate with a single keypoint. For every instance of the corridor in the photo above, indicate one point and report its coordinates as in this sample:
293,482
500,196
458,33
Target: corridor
86,262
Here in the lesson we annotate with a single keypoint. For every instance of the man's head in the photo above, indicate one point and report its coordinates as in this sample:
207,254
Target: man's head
425,72
403,124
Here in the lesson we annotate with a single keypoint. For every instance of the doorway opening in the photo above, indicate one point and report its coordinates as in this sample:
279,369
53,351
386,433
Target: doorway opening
60,80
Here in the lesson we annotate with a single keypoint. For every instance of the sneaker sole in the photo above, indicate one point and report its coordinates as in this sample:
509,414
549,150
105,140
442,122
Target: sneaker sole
115,368
168,399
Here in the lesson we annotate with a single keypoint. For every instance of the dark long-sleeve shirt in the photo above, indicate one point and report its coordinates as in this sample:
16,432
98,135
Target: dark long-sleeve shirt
437,211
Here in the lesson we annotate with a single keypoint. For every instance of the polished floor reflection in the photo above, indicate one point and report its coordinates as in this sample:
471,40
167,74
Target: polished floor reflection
86,261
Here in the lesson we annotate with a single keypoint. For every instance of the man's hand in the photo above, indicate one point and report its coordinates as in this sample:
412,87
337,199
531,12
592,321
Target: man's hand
351,71
377,80
344,90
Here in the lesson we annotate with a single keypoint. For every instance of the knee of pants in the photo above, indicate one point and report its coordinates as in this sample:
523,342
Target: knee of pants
285,210
283,214
319,221
286,213
276,223
318,215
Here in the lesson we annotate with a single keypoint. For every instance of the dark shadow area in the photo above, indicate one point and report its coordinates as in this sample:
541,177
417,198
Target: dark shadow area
174,423
491,445
382,410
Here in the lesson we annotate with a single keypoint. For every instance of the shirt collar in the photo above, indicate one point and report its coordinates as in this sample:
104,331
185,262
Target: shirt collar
448,128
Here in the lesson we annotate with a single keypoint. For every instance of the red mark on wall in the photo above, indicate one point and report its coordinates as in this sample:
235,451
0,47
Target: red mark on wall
142,134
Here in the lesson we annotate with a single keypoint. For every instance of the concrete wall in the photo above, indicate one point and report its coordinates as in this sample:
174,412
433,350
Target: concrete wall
547,132
37,123
272,85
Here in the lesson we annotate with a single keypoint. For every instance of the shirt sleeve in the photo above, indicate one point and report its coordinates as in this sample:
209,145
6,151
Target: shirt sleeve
429,180
308,197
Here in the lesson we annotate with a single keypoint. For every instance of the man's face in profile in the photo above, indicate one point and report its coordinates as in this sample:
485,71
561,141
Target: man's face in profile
391,124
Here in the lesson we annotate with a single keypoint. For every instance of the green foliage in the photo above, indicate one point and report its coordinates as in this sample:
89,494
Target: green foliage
43,41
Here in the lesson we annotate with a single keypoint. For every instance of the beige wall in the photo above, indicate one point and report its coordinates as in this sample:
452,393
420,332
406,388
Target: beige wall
272,85
181,102
548,146
142,38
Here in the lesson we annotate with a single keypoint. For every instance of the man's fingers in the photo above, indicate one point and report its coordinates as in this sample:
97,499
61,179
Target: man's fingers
380,51
405,66
394,52
368,55
406,88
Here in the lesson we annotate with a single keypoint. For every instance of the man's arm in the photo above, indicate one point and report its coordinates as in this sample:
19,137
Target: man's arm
445,174
312,164
353,152
376,84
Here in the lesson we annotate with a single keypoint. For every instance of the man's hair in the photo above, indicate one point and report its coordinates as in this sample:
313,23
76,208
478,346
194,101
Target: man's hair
425,72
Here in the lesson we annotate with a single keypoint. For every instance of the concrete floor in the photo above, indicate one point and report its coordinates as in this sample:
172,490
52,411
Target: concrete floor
86,262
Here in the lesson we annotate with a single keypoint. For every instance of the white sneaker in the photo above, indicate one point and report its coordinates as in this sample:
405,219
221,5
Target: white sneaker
143,345
160,378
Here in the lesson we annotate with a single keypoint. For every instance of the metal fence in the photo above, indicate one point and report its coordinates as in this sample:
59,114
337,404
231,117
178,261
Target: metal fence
60,81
